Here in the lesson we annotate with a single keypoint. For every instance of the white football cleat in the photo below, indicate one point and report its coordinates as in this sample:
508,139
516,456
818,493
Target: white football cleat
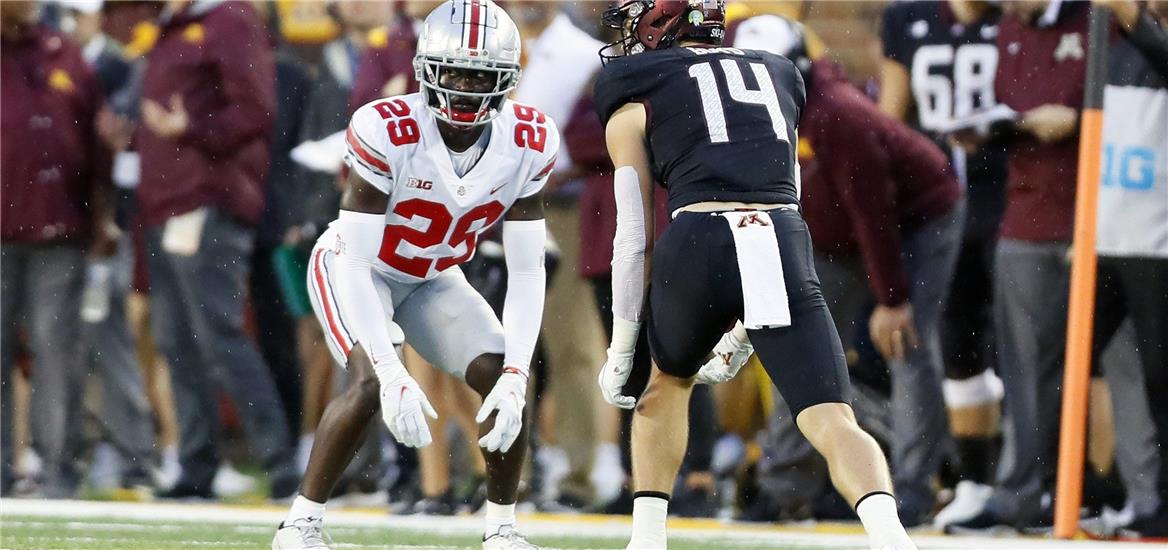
507,538
730,355
969,499
303,534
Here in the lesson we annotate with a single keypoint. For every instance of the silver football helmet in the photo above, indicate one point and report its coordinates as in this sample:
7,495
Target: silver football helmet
467,34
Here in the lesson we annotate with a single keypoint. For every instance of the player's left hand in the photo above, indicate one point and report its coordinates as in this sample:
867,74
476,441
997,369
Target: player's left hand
508,397
892,330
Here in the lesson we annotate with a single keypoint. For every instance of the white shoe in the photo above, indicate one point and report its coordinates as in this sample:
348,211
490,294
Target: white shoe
105,471
507,538
303,534
555,465
969,499
608,477
229,482
168,472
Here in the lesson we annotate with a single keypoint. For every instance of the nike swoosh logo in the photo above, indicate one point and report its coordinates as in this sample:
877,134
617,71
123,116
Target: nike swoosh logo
496,189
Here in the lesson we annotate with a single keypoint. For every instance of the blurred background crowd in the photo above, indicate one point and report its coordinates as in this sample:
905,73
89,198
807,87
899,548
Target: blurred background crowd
166,169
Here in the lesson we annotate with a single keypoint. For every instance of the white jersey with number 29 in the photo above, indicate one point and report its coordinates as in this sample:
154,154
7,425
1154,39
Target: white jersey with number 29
434,216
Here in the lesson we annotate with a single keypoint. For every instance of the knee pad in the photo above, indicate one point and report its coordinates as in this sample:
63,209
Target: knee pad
982,389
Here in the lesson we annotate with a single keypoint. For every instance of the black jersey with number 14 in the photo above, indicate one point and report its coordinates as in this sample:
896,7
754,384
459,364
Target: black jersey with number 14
721,121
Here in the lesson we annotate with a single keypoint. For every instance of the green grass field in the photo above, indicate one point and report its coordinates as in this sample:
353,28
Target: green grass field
30,524
29,532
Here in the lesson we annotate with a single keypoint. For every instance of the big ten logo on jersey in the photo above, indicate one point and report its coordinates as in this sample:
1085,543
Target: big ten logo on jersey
941,98
415,183
1132,168
439,227
402,129
531,131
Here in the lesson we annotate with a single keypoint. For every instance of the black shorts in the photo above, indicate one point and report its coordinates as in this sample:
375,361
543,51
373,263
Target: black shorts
695,295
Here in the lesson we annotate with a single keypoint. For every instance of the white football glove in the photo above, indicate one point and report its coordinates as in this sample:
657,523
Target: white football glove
613,376
508,397
404,409
729,356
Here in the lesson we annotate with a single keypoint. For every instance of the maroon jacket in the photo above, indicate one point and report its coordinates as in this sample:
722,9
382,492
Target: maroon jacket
220,61
51,156
381,63
867,179
1037,66
584,137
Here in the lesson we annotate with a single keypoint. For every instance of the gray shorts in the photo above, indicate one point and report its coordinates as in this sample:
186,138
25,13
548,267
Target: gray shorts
445,319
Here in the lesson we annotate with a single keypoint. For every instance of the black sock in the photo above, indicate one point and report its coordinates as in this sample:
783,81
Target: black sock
979,458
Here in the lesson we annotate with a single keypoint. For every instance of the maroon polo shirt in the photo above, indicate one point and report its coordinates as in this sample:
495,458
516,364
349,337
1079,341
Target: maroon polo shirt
1039,66
51,157
381,63
867,179
220,61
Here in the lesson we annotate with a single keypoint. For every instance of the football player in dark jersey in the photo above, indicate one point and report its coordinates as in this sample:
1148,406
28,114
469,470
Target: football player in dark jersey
940,59
717,128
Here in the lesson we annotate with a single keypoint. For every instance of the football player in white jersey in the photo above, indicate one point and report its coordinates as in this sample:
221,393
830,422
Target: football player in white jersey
429,172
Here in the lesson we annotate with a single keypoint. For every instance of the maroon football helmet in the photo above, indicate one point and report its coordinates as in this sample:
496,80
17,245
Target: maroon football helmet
659,24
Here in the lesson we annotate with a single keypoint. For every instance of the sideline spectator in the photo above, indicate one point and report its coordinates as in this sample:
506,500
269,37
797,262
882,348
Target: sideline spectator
55,175
209,95
1041,64
125,410
319,196
939,64
560,61
1133,220
275,328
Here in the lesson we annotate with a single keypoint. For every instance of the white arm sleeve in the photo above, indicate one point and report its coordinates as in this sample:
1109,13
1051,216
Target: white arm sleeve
360,238
628,247
526,279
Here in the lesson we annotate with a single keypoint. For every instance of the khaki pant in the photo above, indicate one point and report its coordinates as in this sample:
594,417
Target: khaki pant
575,346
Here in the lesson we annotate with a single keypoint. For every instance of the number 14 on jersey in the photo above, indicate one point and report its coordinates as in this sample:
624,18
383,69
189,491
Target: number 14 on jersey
712,105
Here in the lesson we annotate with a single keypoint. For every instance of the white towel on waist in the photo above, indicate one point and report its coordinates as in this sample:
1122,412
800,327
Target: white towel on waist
764,291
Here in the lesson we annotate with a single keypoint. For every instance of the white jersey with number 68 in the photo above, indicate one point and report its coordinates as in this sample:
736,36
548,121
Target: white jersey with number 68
434,216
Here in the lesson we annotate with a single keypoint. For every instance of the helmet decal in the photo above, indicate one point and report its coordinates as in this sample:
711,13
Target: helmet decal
659,24
474,24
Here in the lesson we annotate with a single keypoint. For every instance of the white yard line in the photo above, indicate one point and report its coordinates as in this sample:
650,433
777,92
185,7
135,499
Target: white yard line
535,525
